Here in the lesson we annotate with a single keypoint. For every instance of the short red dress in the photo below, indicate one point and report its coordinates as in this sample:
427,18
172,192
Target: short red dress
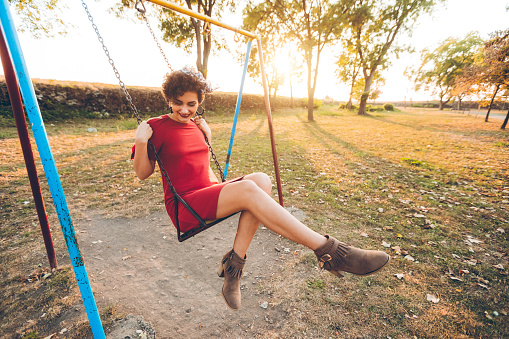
185,157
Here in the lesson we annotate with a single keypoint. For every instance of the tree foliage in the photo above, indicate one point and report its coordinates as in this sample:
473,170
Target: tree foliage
186,32
374,26
272,47
489,74
440,68
308,24
348,70
40,17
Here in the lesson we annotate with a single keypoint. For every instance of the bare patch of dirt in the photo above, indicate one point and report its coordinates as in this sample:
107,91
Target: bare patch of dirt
139,265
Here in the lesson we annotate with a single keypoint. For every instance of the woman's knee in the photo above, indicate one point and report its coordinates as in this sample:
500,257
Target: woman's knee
262,180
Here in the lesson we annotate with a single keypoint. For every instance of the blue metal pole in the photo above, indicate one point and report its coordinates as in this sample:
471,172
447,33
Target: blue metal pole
237,109
50,169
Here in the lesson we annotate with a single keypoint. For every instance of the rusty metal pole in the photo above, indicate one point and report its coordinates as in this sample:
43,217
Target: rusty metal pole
269,119
21,124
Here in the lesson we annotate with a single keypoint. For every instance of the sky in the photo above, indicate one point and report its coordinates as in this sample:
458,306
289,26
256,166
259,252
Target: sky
78,56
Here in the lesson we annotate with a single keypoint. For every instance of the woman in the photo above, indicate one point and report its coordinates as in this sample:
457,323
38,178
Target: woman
179,142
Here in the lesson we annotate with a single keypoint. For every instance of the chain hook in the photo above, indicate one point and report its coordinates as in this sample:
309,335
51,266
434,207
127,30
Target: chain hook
206,28
141,9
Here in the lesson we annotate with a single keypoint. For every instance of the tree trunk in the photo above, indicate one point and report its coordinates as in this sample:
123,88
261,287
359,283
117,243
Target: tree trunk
291,90
505,121
310,88
310,104
365,95
349,103
491,103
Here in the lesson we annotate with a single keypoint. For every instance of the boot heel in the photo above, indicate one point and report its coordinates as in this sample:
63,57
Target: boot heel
220,273
338,274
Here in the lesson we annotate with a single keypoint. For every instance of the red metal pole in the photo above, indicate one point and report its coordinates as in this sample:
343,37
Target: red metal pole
269,119
21,124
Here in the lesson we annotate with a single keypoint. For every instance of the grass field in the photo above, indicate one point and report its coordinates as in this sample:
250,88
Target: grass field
431,188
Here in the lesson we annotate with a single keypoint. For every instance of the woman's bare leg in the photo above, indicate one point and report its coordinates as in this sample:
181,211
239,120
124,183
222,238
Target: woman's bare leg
248,223
251,196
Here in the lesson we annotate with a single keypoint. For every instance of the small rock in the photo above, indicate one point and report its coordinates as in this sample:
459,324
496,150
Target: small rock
409,257
399,275
385,244
381,210
432,298
91,130
264,305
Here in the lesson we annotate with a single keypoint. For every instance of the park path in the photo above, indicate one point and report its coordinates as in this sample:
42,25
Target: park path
139,265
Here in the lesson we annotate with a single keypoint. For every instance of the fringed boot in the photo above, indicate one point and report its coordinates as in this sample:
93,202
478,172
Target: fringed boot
231,269
337,257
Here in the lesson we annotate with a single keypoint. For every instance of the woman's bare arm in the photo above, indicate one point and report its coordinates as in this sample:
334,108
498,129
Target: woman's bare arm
143,166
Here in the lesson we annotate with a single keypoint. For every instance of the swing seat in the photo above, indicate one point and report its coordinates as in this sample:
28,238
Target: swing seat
191,233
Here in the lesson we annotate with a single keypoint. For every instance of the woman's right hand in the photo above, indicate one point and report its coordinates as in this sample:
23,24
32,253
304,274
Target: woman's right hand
143,133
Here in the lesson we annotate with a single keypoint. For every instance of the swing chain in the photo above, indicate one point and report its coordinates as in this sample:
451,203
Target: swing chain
142,11
117,74
221,174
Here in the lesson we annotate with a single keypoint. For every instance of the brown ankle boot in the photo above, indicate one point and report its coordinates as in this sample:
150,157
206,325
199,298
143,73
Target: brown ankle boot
337,257
231,269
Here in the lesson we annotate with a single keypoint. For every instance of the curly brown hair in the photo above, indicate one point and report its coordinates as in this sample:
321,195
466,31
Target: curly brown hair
177,83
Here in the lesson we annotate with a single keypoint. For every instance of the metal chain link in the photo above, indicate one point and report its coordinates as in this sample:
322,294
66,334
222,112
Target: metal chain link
142,11
110,60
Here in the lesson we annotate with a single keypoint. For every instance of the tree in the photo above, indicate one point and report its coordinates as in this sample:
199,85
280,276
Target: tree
441,67
496,64
348,70
186,32
39,17
272,46
310,24
374,25
295,71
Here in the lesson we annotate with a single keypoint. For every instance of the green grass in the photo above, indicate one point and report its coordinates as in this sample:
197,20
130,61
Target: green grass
363,179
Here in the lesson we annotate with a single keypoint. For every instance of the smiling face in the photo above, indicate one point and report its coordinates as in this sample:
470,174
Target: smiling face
184,107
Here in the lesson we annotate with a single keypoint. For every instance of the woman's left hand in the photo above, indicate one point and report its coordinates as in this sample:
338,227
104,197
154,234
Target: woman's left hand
202,124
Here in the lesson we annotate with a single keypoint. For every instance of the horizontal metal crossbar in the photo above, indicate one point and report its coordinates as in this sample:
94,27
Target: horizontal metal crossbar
202,17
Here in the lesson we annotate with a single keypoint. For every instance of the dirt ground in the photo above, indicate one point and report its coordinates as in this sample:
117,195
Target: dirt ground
139,265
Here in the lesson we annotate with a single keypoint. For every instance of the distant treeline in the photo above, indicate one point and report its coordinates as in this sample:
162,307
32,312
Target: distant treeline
60,100
455,105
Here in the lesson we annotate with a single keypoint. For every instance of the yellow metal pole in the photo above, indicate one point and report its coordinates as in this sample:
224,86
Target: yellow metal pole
269,120
202,17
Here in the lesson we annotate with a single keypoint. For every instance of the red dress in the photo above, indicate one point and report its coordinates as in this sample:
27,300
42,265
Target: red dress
185,157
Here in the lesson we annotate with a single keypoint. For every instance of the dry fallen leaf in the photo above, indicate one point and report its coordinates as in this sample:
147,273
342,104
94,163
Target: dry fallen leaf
385,244
399,275
126,257
499,266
